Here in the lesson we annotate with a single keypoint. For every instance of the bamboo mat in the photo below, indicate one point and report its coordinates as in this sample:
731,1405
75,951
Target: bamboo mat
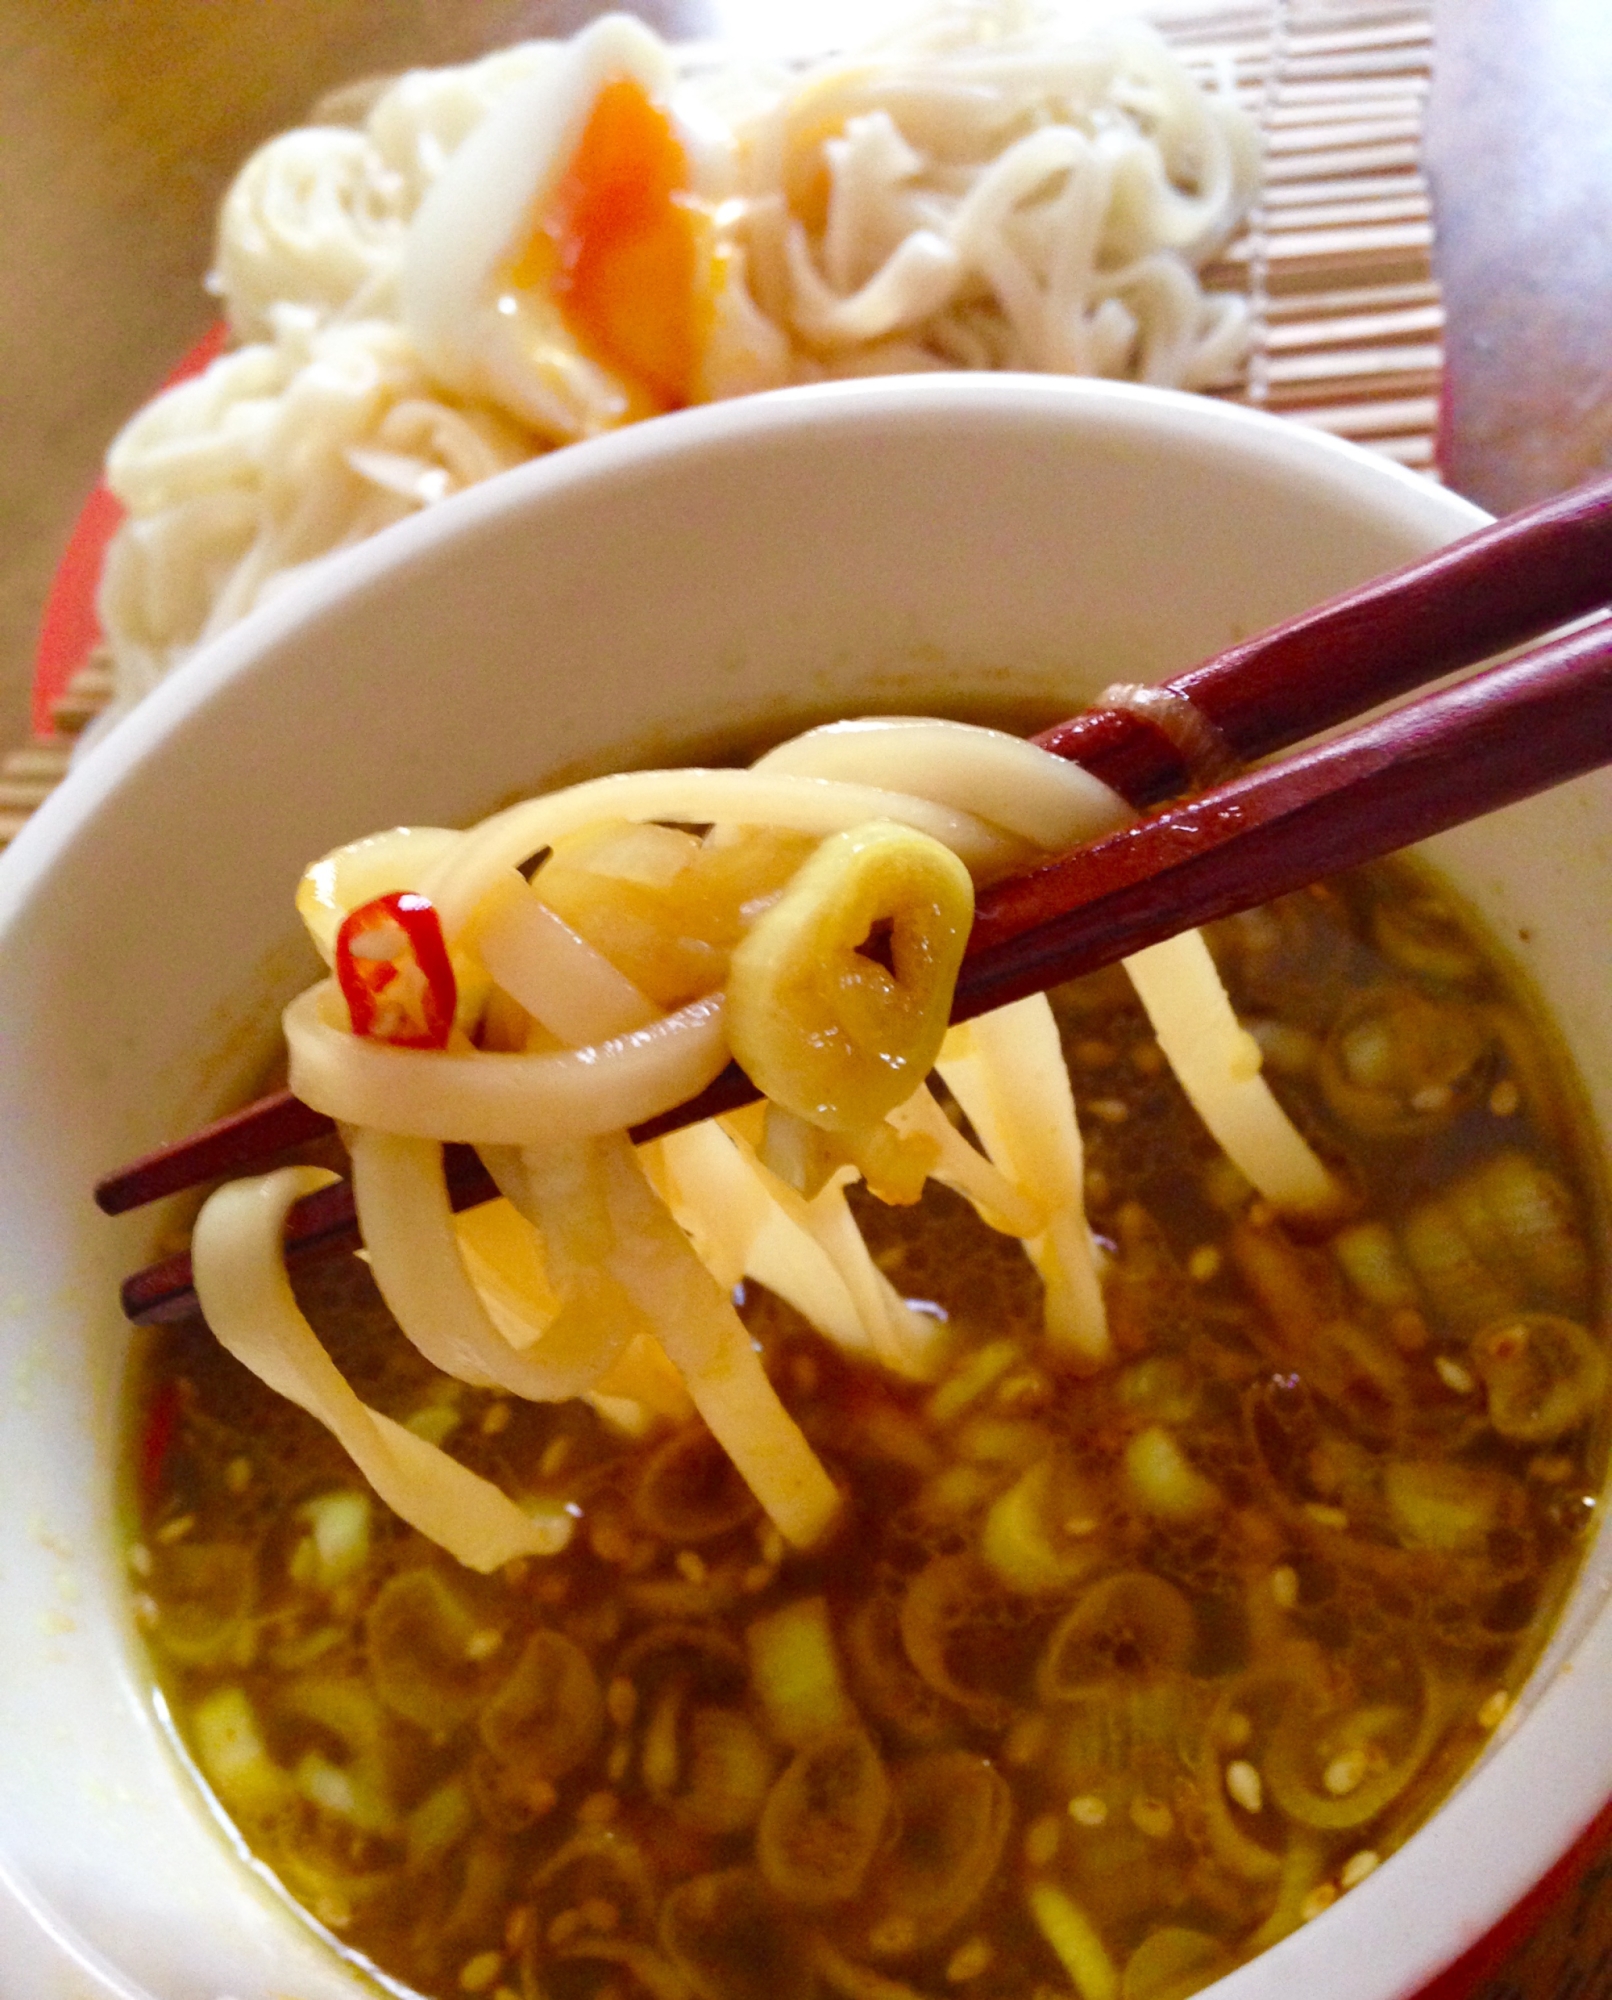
1335,260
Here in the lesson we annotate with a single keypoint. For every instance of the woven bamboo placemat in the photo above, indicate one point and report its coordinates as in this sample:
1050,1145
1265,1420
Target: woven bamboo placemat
1335,260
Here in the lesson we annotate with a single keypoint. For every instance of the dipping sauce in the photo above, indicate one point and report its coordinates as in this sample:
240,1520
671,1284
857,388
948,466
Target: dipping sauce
1102,1684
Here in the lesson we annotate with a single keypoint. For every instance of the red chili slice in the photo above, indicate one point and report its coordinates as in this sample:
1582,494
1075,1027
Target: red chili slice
156,1438
393,969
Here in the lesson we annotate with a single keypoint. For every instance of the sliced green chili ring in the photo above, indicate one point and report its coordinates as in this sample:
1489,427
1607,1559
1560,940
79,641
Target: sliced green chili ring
1131,1624
417,1636
823,1820
732,1939
1303,1740
953,1810
1171,1963
819,1024
1543,1376
689,1489
547,1715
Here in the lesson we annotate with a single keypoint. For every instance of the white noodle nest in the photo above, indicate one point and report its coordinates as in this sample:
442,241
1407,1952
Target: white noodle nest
281,452
994,189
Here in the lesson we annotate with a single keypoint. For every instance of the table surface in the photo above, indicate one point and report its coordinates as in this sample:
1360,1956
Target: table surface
123,121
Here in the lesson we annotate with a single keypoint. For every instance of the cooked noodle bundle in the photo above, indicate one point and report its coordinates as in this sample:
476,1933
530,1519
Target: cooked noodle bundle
495,259
815,929
992,194
281,452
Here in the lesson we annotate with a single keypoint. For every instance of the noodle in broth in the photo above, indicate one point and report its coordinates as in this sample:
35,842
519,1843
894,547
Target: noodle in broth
1160,1581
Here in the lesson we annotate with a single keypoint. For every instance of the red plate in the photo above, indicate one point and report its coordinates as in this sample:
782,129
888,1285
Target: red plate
69,630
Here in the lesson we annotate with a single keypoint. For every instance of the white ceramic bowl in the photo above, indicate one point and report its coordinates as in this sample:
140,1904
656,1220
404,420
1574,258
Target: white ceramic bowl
914,543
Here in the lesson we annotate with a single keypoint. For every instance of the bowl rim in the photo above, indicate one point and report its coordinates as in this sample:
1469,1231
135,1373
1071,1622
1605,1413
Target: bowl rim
621,454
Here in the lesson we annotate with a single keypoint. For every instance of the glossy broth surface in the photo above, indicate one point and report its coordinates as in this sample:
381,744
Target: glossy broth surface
1103,1685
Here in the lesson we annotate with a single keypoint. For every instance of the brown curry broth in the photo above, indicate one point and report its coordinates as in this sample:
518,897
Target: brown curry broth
1474,1623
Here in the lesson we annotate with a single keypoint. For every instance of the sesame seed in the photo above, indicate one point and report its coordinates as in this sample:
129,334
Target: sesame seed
1041,1841
691,1566
238,1475
332,1909
1153,1818
1024,1389
755,1578
176,1529
1495,1710
1326,1517
1204,1263
1148,1058
556,1456
611,1542
482,1644
146,1611
1026,1740
1244,1786
140,1559
1432,1097
892,1935
621,1701
1093,1054
770,1539
1343,1775
1358,1867
1111,1110
518,1926
495,1418
968,1961
1088,1810
1505,1100
1285,1585
1407,1329
478,1973
1236,1730
1320,1898
619,1762
1453,1375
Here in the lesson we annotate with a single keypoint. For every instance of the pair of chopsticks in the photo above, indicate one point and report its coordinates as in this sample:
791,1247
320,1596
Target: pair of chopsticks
1486,742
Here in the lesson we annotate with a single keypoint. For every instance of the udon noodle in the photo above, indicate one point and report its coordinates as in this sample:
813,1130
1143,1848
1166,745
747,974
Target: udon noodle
539,1021
883,1540
501,258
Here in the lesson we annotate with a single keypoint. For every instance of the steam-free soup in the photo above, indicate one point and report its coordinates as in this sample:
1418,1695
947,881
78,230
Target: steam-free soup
1101,1684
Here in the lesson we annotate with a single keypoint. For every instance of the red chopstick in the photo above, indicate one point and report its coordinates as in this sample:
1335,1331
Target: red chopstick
1498,587
1487,742
1467,750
